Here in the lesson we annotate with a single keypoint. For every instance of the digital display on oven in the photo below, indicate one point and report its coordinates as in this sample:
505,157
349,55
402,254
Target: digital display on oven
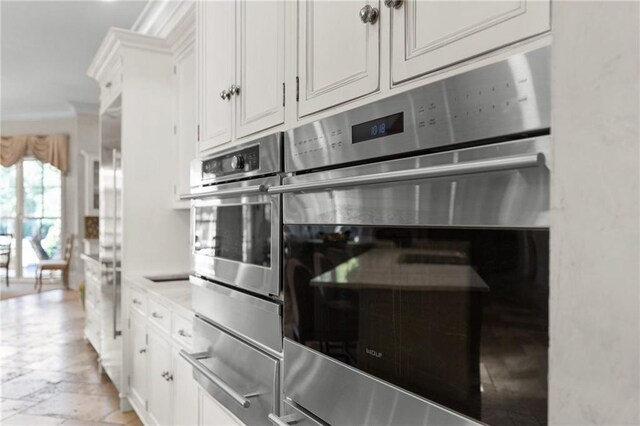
385,126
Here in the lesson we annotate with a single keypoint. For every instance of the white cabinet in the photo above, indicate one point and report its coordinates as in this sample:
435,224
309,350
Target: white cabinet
427,35
160,379
185,391
260,66
338,56
138,374
92,301
215,46
240,50
211,413
185,122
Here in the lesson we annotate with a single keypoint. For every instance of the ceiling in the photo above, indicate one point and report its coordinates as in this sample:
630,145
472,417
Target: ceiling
46,48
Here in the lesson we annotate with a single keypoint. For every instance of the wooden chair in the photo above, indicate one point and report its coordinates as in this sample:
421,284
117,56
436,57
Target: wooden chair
63,265
5,253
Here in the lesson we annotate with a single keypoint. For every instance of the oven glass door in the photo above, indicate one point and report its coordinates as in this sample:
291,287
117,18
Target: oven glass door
237,232
458,316
235,239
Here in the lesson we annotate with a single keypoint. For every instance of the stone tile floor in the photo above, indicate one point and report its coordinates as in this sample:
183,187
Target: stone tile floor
48,370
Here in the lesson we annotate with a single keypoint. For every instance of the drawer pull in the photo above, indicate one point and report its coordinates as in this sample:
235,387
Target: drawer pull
156,315
183,333
137,302
193,359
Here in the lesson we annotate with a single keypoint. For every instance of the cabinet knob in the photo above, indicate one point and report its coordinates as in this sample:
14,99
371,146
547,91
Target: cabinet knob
393,4
225,94
108,85
234,89
156,315
143,350
368,15
183,333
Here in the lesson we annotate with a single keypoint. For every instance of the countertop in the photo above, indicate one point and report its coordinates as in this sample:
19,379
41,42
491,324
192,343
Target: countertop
176,294
91,257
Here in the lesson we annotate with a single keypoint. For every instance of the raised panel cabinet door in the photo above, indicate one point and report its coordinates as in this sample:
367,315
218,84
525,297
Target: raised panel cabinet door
160,379
260,55
139,354
185,393
428,35
339,54
216,62
185,118
212,413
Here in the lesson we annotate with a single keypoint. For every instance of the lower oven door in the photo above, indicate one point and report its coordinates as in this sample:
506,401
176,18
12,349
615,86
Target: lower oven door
403,297
235,235
242,378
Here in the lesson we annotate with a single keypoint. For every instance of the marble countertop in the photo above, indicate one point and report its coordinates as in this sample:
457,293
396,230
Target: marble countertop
176,294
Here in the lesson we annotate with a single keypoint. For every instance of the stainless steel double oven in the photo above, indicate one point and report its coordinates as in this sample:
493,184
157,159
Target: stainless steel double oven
401,248
415,260
236,255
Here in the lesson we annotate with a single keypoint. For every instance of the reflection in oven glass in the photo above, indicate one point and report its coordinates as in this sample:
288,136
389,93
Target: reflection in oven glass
458,316
241,233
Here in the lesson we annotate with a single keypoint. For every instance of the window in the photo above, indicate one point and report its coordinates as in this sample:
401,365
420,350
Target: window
31,210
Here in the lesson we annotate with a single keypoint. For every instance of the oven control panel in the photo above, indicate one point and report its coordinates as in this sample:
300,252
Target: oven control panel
510,97
232,163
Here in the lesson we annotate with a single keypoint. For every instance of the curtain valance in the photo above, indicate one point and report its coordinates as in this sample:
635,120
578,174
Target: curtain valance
52,149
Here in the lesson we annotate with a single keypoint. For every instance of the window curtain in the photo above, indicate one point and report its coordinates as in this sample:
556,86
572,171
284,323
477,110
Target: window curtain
52,149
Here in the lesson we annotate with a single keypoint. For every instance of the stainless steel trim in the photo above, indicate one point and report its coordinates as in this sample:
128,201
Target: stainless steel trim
270,161
246,190
254,319
482,166
193,359
510,97
116,166
287,420
513,197
262,304
310,378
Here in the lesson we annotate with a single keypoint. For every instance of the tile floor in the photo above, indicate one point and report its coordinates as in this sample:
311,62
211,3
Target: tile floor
49,372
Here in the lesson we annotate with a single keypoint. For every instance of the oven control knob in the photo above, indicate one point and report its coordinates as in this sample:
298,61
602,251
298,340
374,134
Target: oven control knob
237,162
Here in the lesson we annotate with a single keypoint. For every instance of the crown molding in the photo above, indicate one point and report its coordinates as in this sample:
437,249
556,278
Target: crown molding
56,113
159,17
116,39
182,28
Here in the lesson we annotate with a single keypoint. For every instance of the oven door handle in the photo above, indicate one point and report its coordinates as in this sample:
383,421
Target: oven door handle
245,190
193,359
470,167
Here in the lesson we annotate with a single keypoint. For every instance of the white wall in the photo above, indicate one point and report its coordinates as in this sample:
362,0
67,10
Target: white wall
83,134
594,358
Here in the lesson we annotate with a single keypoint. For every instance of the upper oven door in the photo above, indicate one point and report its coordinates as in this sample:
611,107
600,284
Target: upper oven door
498,185
235,235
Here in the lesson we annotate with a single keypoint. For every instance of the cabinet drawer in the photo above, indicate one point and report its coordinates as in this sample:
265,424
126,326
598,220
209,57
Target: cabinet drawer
138,301
240,377
182,331
159,315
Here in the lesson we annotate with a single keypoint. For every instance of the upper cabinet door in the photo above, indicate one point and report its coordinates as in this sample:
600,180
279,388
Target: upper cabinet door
185,119
339,53
216,41
427,35
260,50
